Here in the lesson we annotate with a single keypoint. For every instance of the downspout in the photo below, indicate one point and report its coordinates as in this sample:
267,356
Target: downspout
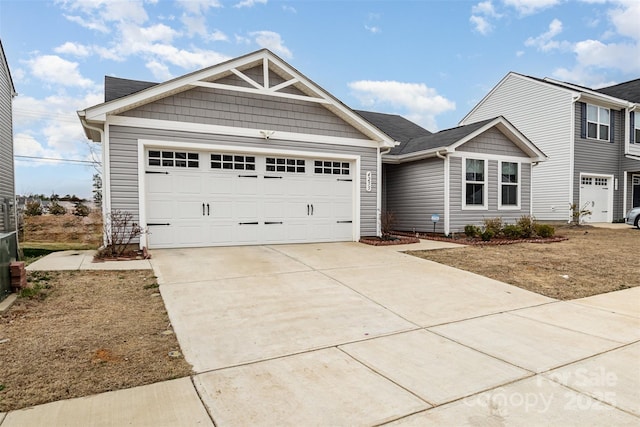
447,209
104,169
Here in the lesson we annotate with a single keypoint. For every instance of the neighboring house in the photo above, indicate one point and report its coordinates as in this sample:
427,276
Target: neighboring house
249,151
591,138
8,223
462,175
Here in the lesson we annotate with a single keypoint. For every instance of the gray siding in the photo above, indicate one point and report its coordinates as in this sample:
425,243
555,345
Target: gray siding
245,110
124,164
600,157
7,183
492,142
460,218
413,192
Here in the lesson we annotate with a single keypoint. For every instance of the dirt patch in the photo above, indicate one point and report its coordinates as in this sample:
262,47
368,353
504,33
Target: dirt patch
63,229
392,240
84,333
592,261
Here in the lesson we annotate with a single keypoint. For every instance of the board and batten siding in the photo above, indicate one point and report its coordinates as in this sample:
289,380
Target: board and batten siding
593,156
414,191
7,178
460,217
123,157
543,113
245,110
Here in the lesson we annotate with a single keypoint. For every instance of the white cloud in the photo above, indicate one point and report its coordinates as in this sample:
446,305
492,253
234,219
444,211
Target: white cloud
218,35
249,3
485,8
55,70
545,42
623,56
198,6
481,24
272,41
373,29
419,102
160,71
626,19
98,14
289,9
528,7
75,49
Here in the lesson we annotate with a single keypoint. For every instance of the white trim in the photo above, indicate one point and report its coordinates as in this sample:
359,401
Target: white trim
447,195
531,189
246,78
624,192
518,186
484,156
572,150
234,131
144,144
106,175
610,195
378,194
485,193
262,91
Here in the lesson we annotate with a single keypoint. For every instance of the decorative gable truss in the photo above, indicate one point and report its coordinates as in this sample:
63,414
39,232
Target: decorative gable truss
261,74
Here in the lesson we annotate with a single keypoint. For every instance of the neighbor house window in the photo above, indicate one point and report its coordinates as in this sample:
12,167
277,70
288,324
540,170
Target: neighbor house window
509,185
598,120
475,184
636,126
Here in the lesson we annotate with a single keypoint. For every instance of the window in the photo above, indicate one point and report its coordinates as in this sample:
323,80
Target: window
475,183
276,164
636,126
233,162
178,159
598,120
586,180
331,168
509,182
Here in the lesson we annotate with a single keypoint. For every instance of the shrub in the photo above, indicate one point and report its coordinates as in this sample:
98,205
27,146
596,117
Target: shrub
526,224
544,230
577,213
494,225
486,235
33,208
56,209
471,230
119,230
81,210
387,223
512,231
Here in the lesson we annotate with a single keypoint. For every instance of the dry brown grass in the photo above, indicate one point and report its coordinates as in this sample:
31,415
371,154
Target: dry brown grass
592,261
64,229
84,333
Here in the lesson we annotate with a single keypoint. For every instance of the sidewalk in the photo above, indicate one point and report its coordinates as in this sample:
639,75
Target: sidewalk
83,260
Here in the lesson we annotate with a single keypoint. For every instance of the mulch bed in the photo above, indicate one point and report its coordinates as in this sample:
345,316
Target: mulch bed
394,240
479,242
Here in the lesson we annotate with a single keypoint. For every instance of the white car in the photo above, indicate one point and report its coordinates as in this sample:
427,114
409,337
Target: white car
633,217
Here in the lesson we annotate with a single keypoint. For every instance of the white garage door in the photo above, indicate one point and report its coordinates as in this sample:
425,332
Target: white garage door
595,195
216,199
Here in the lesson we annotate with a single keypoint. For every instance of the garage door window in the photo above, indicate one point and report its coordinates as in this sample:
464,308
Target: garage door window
178,159
279,164
233,162
331,168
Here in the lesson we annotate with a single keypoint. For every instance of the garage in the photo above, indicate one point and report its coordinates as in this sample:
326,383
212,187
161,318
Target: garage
596,196
221,198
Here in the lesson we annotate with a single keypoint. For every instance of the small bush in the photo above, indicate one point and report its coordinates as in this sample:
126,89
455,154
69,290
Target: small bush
471,230
56,209
33,208
487,235
512,231
527,226
81,210
494,225
544,230
387,224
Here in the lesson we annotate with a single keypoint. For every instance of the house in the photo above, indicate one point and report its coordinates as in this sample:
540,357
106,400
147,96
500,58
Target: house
590,136
8,223
249,151
457,176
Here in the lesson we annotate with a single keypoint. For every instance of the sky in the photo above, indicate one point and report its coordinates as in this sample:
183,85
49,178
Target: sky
429,61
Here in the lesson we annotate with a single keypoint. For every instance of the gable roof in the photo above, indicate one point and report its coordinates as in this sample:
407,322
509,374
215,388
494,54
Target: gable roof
394,125
207,77
446,141
115,87
629,91
5,66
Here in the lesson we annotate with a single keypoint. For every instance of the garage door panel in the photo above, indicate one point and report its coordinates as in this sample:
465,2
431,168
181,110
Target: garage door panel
248,206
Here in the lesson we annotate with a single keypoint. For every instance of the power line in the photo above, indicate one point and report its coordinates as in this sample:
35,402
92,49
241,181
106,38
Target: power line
58,160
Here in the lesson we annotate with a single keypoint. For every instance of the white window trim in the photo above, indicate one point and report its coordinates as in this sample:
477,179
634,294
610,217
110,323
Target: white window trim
485,193
598,123
518,186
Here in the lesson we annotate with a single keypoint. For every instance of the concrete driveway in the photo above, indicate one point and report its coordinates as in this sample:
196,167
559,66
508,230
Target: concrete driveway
349,334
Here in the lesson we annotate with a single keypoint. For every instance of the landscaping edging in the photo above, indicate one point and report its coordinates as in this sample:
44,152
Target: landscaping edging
399,240
479,242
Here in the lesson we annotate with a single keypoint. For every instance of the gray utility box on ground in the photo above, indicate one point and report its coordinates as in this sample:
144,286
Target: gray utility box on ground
8,253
